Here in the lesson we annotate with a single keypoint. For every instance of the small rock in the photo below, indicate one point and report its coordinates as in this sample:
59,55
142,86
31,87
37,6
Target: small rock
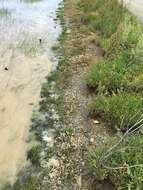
83,163
91,140
48,137
68,31
96,122
40,40
53,162
6,68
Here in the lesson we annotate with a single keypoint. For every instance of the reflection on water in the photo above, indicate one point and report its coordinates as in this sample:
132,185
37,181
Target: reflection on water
27,32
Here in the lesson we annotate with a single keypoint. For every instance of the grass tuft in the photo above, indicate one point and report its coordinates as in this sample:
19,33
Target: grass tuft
102,15
120,111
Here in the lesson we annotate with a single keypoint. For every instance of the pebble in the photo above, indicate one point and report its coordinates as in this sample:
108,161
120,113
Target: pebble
96,122
91,140
68,31
53,162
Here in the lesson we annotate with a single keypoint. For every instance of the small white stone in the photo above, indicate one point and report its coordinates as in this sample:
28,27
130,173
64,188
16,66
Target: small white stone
48,138
92,140
53,162
68,31
96,122
83,163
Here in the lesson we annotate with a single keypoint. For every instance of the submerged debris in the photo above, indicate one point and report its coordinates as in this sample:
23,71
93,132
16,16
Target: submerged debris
6,68
40,40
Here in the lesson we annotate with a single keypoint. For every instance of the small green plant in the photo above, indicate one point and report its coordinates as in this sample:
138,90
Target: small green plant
34,155
125,39
119,111
31,183
107,76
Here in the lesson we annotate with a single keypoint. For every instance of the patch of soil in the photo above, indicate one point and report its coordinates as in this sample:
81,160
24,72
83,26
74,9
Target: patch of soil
103,185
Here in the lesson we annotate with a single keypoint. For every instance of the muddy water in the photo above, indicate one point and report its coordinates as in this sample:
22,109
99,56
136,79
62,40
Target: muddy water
27,32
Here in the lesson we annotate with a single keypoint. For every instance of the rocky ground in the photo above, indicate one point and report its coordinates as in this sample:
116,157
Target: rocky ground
78,133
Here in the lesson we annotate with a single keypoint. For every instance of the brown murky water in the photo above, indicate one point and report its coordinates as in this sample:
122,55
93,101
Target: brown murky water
24,63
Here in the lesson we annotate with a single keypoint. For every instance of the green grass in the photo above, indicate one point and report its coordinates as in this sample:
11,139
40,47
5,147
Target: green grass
136,84
129,153
28,183
126,38
101,15
34,155
123,61
107,76
31,183
119,111
117,81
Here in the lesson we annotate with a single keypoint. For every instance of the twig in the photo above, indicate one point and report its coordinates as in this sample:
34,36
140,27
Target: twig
136,129
122,167
109,151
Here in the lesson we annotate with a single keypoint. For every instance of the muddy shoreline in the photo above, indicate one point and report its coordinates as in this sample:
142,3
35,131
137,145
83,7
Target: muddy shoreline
24,64
61,123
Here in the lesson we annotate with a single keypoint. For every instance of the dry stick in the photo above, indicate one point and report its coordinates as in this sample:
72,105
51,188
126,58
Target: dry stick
123,167
129,147
109,152
136,129
132,118
136,115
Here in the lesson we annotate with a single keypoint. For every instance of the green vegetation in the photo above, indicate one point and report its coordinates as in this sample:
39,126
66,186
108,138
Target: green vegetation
34,155
31,183
28,183
101,15
118,83
123,62
121,111
107,76
121,69
123,165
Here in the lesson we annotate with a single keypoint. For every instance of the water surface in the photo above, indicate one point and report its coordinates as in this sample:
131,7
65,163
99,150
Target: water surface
27,32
